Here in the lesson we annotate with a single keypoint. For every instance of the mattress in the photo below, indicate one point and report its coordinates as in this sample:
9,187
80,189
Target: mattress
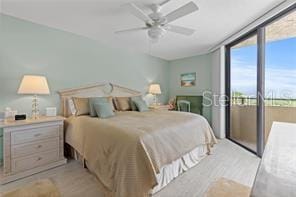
129,151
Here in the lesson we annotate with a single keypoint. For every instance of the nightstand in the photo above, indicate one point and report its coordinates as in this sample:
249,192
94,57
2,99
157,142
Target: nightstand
159,107
31,146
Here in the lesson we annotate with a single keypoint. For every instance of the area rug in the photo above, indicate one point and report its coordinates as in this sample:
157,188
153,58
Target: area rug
40,188
227,188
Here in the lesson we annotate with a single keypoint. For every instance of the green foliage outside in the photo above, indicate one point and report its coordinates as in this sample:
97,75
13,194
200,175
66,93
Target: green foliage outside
239,98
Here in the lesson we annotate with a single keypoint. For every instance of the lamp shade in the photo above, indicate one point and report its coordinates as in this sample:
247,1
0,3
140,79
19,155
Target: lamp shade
154,89
32,84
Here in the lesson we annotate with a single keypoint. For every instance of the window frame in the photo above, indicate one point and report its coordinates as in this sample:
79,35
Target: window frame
260,32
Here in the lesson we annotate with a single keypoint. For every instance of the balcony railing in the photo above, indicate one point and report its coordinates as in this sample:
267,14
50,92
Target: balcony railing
268,101
243,116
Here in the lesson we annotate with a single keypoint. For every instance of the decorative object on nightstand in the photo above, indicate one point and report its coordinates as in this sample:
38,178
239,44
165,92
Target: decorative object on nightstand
51,111
20,117
35,85
31,146
172,103
9,113
155,90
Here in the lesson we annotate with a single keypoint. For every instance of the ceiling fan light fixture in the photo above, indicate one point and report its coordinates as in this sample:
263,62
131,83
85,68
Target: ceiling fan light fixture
156,32
154,40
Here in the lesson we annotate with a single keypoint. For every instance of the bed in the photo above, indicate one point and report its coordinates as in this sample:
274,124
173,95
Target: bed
135,153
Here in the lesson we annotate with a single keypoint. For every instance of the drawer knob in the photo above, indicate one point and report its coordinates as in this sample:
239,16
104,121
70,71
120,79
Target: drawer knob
39,146
39,158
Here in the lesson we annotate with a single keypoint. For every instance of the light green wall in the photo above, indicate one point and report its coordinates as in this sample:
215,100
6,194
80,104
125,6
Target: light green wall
68,60
1,146
202,65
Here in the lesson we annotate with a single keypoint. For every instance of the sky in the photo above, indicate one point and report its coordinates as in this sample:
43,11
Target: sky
280,69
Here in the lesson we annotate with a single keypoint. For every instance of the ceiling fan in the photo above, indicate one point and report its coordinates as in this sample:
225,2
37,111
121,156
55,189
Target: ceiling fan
156,23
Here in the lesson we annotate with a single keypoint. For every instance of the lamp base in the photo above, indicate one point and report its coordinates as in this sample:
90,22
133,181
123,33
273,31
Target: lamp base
35,109
155,103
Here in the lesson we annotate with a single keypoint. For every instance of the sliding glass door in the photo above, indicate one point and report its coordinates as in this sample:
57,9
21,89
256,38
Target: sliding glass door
280,71
261,81
243,92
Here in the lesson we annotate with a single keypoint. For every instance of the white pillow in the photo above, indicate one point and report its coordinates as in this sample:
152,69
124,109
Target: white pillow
71,106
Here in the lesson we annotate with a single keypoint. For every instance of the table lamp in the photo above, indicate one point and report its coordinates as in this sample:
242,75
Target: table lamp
154,89
34,85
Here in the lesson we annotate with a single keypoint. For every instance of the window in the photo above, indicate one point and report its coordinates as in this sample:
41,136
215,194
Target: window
261,81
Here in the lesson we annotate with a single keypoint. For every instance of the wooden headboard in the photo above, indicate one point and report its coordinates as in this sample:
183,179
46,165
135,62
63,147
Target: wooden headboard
95,90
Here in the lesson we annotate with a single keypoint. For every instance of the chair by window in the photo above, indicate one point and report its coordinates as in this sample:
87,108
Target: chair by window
183,105
196,101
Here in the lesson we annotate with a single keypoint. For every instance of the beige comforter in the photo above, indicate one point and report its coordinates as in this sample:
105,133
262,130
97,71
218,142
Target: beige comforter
126,151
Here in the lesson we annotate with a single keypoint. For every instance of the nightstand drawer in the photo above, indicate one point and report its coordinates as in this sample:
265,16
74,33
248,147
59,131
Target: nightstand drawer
30,162
30,135
34,147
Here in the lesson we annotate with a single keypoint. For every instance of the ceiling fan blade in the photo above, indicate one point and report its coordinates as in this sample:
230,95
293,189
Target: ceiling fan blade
180,30
137,12
182,11
131,30
165,2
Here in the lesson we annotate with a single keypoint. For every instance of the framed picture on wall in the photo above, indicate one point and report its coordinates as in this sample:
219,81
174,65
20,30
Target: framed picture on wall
188,79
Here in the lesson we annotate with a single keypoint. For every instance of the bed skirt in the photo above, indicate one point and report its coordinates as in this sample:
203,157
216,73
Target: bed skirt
171,171
168,172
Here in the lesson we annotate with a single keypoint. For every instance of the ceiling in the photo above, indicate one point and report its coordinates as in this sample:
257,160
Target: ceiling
99,19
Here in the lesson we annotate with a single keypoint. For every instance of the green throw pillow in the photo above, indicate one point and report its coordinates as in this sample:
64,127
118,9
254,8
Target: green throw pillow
132,103
95,100
141,105
104,110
